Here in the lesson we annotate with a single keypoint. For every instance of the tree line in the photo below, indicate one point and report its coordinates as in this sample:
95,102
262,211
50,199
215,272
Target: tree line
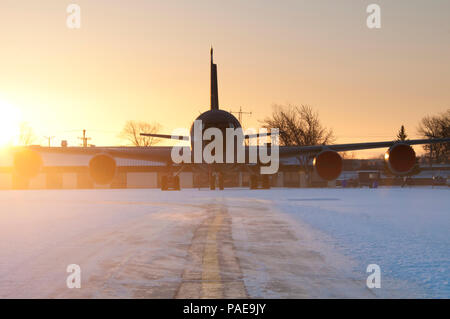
299,125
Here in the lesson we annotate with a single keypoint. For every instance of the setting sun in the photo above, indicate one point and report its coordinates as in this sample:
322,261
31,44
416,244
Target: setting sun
9,123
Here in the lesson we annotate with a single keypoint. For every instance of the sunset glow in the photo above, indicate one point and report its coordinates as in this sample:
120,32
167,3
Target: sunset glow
9,123
149,61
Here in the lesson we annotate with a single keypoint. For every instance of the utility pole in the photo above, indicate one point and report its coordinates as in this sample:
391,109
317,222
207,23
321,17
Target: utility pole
49,138
84,139
240,113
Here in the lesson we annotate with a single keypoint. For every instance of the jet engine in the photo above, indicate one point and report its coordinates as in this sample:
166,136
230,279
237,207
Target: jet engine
328,165
400,159
102,169
27,163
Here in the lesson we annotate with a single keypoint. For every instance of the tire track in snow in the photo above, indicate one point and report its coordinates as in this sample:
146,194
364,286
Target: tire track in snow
213,271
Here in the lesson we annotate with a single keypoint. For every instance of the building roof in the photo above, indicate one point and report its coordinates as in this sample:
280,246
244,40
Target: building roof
67,160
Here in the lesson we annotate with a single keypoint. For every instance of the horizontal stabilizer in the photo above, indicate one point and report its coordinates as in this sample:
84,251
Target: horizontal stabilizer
257,135
172,137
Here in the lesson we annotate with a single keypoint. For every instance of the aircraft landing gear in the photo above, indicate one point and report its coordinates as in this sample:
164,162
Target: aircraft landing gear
221,181
265,182
170,182
219,178
212,182
164,183
254,183
177,183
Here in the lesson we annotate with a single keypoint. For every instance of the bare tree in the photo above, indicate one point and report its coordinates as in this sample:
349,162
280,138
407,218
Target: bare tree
299,125
132,130
26,134
436,126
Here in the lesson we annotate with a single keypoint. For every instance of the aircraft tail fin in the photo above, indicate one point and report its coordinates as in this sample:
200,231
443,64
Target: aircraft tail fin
214,89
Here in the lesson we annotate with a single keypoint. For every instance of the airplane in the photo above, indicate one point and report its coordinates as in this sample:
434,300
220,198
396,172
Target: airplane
399,157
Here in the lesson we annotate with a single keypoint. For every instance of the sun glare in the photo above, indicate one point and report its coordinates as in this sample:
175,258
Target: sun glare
9,123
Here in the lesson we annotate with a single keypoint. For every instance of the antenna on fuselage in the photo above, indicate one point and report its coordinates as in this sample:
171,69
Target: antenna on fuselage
214,89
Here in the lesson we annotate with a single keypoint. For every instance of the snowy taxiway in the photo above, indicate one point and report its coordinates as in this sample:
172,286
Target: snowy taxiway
279,243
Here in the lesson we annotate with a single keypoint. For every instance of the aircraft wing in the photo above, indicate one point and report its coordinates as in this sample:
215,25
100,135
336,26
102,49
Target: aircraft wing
163,153
150,153
102,166
186,138
287,151
167,136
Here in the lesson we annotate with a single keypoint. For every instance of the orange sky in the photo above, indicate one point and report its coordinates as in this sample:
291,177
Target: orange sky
149,60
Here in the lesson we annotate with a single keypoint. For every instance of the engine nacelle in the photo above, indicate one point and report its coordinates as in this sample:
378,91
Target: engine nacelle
328,165
102,169
27,163
400,159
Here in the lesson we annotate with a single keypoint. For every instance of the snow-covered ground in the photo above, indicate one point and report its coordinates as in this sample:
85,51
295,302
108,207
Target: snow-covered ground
289,242
405,231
